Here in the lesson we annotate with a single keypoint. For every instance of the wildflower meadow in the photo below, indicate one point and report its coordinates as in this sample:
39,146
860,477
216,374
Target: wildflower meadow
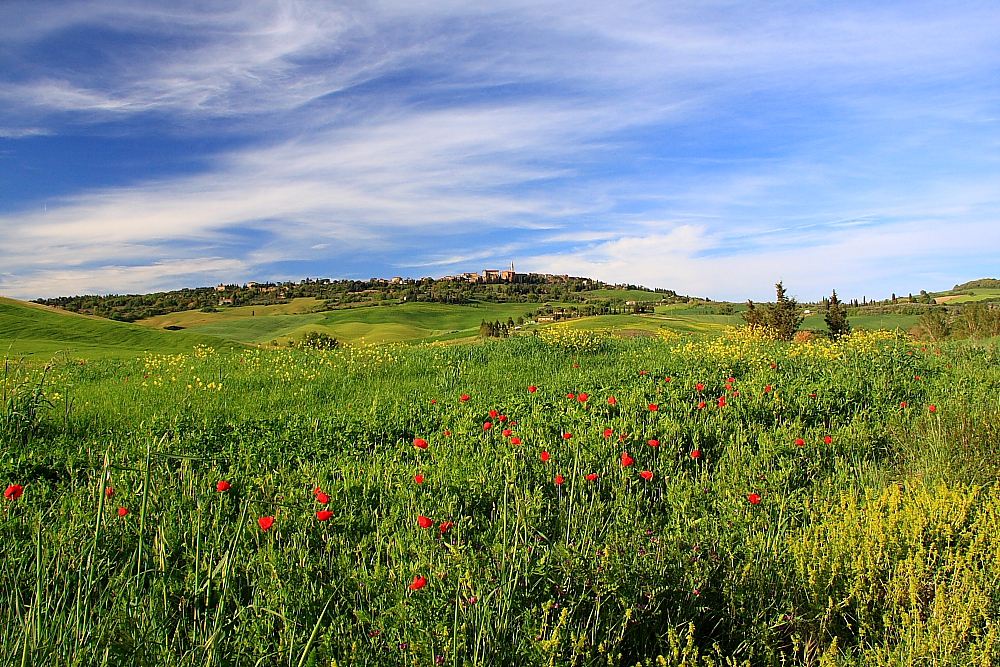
570,498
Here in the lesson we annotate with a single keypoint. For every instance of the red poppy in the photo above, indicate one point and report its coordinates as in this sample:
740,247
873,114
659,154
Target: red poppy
767,388
828,440
447,432
324,515
932,408
515,440
567,436
612,400
559,480
813,395
729,386
493,414
424,521
753,498
592,477
903,404
109,492
445,525
570,395
696,454
265,522
627,460
653,407
774,365
503,418
464,397
418,478
582,398
731,380
647,475
667,379
701,405
13,492
916,377
799,442
434,400
736,393
418,583
607,432
654,443
420,443
643,372
222,486
544,456
722,401
506,433
532,389
322,498
698,386
576,365
122,511
487,426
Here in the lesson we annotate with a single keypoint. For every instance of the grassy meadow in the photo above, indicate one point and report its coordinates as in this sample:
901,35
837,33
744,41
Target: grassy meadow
570,498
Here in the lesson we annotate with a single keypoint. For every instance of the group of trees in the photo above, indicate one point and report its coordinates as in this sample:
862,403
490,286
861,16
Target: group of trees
496,329
782,319
974,320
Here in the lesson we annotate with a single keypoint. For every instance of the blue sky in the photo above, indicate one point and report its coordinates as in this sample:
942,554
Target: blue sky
708,147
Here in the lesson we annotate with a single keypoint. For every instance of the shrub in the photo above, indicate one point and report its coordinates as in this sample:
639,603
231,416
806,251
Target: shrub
317,340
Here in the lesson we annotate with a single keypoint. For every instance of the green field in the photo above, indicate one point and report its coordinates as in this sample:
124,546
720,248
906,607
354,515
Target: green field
820,514
625,295
27,328
965,296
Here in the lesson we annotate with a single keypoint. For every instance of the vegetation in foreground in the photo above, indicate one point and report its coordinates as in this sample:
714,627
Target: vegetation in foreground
562,499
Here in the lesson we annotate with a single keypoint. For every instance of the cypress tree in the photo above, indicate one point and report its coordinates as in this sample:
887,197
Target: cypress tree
836,318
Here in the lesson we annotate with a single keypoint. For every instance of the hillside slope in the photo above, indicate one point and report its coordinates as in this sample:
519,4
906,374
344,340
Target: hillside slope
27,328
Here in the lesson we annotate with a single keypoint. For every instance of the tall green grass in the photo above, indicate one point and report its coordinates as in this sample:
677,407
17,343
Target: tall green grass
878,547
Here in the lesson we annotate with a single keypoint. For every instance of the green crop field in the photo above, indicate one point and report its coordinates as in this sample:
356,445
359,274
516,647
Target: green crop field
570,498
625,295
27,328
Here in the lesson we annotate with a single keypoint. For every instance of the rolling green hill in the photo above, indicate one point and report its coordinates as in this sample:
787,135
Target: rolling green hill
27,328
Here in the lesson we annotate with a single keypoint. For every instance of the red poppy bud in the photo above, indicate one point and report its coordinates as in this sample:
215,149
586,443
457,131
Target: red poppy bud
515,440
544,456
753,498
13,492
698,386
487,426
109,492
323,515
419,479
418,583
592,477
799,441
627,460
222,486
559,480
567,436
445,525
420,443
582,398
654,443
424,521
532,389
612,400
265,522
122,511
493,414
322,498
607,432
464,397
647,475
828,440
696,454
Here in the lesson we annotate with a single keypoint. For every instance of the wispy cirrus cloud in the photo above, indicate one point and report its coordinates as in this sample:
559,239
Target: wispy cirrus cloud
362,138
